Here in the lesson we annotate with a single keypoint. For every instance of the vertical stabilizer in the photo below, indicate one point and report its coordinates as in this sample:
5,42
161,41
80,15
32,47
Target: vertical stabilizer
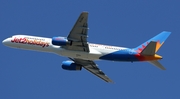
159,39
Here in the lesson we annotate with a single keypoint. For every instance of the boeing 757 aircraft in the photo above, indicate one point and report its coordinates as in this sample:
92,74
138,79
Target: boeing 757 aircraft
83,54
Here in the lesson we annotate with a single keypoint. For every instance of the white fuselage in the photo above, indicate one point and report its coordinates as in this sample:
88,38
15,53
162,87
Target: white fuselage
45,45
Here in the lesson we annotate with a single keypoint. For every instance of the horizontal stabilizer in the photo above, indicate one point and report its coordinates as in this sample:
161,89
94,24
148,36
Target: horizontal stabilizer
150,49
157,64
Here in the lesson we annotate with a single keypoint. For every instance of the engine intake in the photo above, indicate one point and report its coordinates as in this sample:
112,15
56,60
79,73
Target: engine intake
70,65
60,41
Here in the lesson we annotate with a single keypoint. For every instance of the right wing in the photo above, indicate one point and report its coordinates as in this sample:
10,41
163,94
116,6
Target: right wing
93,68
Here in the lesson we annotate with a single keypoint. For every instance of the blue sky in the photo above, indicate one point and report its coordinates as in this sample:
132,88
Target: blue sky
35,75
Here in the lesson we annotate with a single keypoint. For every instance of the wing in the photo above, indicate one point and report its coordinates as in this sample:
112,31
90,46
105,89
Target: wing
93,68
78,35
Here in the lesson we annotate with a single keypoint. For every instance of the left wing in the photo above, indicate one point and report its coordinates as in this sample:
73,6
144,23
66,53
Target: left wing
93,68
78,35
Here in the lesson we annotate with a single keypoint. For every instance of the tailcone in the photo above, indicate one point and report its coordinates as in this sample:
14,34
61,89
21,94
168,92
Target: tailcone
157,56
148,57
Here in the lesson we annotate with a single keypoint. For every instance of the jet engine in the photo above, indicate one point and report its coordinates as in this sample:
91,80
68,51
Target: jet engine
70,65
60,41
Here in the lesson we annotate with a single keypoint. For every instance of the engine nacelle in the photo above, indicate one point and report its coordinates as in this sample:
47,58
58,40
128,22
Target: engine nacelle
60,41
70,65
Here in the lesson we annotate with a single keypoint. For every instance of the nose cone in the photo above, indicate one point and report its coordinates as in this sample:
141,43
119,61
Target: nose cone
6,41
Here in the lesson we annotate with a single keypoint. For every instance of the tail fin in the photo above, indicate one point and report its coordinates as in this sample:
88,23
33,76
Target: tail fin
159,39
157,64
150,47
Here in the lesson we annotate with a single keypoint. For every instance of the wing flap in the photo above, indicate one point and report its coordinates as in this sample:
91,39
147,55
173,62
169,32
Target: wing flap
93,68
100,76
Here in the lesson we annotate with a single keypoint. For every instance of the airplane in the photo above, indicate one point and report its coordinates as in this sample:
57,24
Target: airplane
82,54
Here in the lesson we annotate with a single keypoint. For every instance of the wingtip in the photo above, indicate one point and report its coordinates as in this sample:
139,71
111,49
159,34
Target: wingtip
85,12
110,81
